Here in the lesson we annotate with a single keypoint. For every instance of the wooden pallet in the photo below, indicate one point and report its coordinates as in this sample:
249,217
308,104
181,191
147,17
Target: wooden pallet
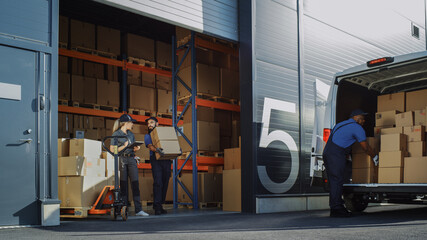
166,68
109,108
63,102
95,52
210,97
87,105
74,212
62,45
164,115
142,62
141,112
203,154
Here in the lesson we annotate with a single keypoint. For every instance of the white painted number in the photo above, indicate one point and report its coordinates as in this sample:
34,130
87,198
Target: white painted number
278,135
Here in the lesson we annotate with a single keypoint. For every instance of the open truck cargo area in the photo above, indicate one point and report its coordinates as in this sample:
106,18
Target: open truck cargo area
393,91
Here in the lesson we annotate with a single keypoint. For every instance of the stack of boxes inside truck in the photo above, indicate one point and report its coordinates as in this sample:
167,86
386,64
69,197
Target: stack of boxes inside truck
400,134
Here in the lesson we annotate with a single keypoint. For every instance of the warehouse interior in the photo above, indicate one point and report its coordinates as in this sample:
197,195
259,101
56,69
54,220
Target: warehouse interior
95,42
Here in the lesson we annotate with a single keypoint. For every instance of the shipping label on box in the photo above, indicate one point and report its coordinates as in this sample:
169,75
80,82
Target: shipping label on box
393,142
420,117
373,142
416,149
391,159
415,170
390,175
394,101
405,119
415,133
387,118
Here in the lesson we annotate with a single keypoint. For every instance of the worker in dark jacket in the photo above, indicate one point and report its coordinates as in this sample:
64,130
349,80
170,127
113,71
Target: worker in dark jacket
338,147
161,169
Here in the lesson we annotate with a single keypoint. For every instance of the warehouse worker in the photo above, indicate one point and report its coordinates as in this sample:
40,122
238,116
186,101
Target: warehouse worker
161,169
342,137
127,162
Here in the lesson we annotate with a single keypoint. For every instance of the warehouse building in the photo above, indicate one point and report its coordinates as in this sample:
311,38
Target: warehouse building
65,63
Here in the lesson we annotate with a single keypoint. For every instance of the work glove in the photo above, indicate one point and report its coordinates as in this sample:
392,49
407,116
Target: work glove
160,151
376,160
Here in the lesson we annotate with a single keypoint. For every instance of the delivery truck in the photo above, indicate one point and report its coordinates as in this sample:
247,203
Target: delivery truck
393,91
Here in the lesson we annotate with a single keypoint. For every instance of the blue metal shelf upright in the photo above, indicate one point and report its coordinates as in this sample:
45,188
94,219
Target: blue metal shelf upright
176,66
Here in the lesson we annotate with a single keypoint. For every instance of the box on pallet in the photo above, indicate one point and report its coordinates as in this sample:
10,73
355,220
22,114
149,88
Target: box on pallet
113,73
85,147
163,54
416,100
63,147
134,77
229,84
417,149
166,138
83,89
81,166
93,70
204,114
164,101
387,118
391,159
415,170
415,133
82,34
142,98
202,56
232,158
210,143
80,191
148,80
108,93
108,40
207,80
390,175
64,86
389,102
139,47
224,119
405,119
77,66
385,131
163,82
232,190
393,142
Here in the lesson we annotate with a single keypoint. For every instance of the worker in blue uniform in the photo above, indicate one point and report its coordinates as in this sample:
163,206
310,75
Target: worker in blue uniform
335,153
161,169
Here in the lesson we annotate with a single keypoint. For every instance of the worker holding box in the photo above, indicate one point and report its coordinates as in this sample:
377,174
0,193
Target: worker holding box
161,169
128,163
337,148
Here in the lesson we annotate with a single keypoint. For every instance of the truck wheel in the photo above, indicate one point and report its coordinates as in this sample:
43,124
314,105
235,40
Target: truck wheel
355,203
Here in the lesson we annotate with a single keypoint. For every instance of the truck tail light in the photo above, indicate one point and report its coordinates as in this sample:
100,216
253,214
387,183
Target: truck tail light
326,133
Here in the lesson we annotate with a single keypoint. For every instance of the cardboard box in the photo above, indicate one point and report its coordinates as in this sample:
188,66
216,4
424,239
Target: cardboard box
76,66
365,175
63,64
225,142
205,114
113,73
85,147
209,187
207,80
232,158
215,169
164,83
415,133
166,138
405,119
108,93
80,191
223,117
109,123
77,88
93,70
108,40
391,159
142,98
235,133
63,147
139,128
393,142
420,117
148,80
377,131
390,175
373,142
230,86
82,34
387,118
139,47
416,100
390,102
232,190
64,86
164,54
417,149
220,59
361,160
81,166
63,29
164,101
386,131
134,77
210,143
415,170
203,56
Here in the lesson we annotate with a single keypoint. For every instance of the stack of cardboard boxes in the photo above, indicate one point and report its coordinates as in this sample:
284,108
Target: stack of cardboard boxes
232,183
400,127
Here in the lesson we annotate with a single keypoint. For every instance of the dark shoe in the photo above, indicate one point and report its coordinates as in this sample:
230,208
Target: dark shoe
157,212
163,211
340,213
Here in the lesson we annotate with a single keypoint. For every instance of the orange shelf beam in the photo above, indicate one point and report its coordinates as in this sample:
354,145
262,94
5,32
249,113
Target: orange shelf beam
148,69
212,104
102,113
90,57
187,167
216,47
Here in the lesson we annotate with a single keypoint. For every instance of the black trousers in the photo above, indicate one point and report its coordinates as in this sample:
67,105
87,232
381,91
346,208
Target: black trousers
161,174
129,169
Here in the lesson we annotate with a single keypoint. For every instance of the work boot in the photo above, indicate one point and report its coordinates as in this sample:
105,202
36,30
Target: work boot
340,213
163,211
157,212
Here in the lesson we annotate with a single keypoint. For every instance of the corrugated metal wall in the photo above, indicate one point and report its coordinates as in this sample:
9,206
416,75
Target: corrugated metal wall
217,17
297,42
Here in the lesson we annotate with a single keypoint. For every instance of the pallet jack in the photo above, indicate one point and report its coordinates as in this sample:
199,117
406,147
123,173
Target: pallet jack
110,200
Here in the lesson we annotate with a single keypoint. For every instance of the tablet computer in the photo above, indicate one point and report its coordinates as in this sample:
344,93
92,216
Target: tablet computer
135,144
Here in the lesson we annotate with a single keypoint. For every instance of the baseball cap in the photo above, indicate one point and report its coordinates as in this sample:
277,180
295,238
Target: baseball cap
358,112
152,118
126,118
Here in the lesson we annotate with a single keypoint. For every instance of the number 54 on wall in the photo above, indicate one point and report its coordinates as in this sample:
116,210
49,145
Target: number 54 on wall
277,135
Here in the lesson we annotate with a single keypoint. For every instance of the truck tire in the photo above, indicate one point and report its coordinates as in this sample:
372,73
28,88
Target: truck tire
355,202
